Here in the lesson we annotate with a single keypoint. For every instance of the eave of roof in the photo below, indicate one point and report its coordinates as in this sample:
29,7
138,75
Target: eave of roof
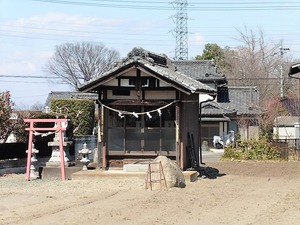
178,80
294,69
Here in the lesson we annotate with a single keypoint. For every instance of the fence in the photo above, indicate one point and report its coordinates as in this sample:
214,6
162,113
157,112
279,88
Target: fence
289,148
18,150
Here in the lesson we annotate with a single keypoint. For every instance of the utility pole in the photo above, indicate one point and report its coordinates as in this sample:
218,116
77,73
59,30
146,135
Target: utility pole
181,30
281,52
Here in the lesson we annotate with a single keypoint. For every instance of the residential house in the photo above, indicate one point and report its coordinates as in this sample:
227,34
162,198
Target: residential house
234,109
287,128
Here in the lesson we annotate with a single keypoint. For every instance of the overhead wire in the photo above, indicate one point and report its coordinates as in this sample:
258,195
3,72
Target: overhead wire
28,79
142,38
45,34
39,33
193,6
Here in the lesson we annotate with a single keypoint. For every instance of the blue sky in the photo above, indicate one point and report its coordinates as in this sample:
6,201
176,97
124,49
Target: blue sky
30,30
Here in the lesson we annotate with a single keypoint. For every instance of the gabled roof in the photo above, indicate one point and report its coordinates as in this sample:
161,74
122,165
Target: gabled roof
158,65
242,100
201,70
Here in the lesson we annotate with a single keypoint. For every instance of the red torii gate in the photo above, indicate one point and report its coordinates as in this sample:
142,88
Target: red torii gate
58,128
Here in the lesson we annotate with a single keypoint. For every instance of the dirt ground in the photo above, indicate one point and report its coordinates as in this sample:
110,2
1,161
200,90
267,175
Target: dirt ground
243,193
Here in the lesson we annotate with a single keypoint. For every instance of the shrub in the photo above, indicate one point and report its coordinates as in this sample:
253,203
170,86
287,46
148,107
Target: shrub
260,149
6,106
20,126
80,111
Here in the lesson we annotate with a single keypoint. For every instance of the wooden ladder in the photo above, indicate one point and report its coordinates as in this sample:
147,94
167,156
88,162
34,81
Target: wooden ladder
155,168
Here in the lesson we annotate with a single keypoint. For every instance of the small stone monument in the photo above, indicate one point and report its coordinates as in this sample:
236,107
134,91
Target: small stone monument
204,146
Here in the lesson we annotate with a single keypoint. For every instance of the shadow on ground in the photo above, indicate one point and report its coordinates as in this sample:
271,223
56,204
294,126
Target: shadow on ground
209,172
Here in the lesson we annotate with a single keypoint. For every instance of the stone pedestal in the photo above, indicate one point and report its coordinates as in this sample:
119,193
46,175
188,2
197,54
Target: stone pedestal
50,173
54,161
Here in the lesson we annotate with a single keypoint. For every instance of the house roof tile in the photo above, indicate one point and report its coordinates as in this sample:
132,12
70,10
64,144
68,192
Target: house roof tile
242,101
202,70
68,95
158,65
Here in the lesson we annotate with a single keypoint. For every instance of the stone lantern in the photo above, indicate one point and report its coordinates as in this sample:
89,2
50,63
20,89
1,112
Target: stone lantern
33,160
85,156
54,160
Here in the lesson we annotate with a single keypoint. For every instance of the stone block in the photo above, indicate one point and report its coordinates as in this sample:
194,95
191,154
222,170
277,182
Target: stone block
190,176
135,168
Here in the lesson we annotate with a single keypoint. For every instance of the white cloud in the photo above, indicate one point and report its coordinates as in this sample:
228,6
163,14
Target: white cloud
27,43
60,25
18,67
197,39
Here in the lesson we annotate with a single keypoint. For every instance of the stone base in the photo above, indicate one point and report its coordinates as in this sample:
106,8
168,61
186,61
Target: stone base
57,164
135,168
48,173
190,176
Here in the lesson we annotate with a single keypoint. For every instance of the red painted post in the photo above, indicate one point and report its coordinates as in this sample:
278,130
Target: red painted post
104,157
62,153
29,151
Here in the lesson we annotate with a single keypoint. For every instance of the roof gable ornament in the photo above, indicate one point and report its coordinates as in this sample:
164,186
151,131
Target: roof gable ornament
139,53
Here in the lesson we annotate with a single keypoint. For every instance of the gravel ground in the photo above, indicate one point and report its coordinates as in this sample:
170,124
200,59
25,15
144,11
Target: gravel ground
242,193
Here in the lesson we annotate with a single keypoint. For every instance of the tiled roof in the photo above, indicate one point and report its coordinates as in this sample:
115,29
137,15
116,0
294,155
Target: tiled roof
242,100
215,109
157,64
201,70
68,95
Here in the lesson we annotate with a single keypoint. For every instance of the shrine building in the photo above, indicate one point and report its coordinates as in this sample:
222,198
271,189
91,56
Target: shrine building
147,108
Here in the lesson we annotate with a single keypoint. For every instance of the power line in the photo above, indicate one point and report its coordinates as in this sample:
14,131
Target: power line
25,79
28,76
195,6
31,82
147,40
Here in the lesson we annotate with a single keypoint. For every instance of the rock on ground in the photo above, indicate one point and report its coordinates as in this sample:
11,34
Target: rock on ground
173,174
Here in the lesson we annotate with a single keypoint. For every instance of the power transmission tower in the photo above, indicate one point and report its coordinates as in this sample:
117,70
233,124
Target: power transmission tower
181,30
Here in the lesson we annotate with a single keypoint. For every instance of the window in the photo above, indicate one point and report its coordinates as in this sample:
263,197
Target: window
121,92
223,95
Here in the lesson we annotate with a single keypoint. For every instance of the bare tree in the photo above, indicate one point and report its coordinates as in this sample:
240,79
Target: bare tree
255,63
80,62
37,107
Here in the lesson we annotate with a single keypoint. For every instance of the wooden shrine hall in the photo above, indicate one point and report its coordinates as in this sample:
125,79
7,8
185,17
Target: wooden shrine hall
147,108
